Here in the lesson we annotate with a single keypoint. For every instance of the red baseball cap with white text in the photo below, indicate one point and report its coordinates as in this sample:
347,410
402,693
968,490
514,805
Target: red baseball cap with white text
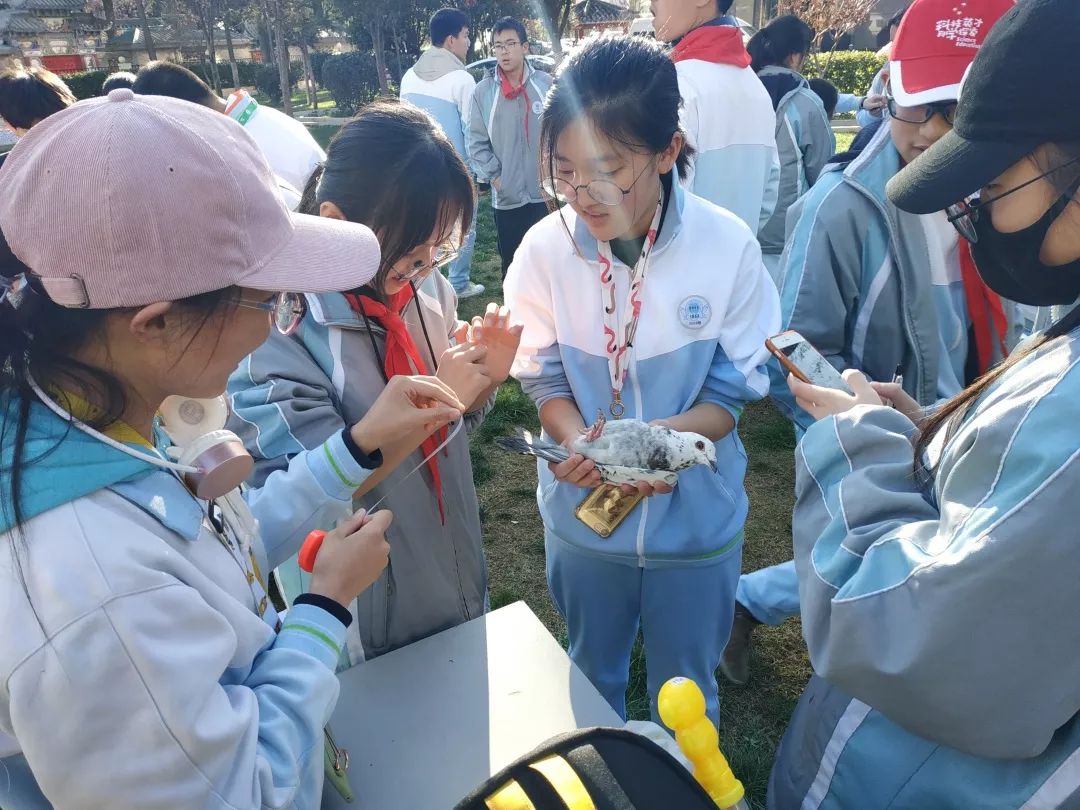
936,44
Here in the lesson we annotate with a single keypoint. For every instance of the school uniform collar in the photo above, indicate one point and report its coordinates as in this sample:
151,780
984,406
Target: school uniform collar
162,496
589,250
333,309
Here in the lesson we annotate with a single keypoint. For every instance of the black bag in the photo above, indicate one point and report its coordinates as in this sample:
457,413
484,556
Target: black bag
613,768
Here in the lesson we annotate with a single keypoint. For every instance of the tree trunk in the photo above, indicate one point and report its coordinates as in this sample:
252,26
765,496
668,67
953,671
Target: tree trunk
151,51
282,49
309,75
211,47
376,31
397,49
232,56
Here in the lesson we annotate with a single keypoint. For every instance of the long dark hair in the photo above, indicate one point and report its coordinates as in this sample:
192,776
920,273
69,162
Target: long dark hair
628,89
951,415
39,339
391,168
778,40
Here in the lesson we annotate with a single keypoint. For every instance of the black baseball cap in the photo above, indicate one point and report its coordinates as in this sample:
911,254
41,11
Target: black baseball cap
1021,92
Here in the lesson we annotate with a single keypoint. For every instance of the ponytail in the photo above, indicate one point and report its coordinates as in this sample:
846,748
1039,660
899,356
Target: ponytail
773,44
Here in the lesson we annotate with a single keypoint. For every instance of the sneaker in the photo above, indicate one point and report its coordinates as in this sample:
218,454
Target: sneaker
470,290
735,662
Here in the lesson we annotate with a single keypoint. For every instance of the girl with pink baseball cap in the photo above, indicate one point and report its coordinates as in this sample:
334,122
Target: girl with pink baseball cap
146,252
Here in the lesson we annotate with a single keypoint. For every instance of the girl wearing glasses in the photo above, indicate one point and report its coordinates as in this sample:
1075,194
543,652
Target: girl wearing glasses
640,301
937,554
141,660
391,169
877,289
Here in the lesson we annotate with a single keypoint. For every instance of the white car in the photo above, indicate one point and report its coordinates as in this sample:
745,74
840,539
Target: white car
643,26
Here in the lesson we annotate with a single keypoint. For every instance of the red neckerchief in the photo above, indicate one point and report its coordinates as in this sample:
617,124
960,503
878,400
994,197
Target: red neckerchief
402,357
510,92
721,44
985,310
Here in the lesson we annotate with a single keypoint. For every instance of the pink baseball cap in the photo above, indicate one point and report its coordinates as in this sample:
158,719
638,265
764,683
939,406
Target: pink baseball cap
128,200
936,44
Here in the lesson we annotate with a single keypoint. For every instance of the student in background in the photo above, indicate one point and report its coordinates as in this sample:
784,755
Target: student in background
504,137
294,392
726,113
115,81
878,289
440,84
936,553
804,136
633,253
290,149
826,91
28,96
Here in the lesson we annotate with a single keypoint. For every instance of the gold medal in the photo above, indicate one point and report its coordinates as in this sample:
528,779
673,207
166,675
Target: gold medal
605,508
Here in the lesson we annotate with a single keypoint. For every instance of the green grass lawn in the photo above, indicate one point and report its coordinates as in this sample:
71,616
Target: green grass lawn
754,716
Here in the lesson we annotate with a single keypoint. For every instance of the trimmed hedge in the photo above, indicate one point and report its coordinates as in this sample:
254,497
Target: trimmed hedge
850,71
86,84
352,80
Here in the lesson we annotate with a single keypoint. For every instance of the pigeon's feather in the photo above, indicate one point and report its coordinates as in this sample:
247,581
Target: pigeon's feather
528,445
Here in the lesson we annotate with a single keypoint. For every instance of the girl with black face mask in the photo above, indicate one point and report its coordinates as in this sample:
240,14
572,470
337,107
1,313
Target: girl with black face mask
937,554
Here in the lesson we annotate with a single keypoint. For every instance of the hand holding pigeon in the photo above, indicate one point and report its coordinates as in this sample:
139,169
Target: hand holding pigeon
625,452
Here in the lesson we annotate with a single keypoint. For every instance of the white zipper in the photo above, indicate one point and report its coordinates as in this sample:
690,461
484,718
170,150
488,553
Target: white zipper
644,519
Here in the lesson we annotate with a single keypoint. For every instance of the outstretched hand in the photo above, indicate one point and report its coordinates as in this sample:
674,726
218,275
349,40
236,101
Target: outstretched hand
494,332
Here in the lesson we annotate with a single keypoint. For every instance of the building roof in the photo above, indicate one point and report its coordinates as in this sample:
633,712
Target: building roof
598,12
168,32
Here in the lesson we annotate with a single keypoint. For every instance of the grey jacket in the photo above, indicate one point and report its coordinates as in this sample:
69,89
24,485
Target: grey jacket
498,145
804,143
293,393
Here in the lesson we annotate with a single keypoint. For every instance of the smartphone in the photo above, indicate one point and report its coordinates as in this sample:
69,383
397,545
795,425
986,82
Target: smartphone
804,361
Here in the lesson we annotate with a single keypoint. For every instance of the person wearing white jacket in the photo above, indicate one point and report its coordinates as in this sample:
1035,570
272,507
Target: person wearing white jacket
440,84
726,114
142,664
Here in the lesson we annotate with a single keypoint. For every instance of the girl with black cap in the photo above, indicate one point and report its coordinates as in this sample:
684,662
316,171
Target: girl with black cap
940,607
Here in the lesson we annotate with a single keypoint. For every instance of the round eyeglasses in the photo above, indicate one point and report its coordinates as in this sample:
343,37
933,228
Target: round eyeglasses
287,308
445,254
965,214
923,112
604,192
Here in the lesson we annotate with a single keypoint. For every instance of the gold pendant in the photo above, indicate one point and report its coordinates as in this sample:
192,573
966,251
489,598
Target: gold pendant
617,409
605,508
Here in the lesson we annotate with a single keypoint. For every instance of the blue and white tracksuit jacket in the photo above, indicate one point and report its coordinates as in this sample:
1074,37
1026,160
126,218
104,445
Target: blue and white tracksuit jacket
440,84
872,288
729,120
707,308
135,667
941,618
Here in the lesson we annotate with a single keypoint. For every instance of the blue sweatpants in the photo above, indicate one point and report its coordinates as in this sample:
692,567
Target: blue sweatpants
459,272
771,594
684,612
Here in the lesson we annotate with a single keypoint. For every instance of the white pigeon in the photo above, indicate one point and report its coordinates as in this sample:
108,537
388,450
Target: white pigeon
626,451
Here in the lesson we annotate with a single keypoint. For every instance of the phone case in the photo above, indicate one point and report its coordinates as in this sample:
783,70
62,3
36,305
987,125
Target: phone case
605,508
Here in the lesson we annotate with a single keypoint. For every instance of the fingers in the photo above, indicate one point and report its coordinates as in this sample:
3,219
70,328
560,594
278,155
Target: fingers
353,522
433,389
465,353
461,334
660,488
577,470
379,521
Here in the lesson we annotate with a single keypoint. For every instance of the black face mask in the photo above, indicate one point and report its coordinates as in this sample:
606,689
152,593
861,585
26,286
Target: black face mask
1009,263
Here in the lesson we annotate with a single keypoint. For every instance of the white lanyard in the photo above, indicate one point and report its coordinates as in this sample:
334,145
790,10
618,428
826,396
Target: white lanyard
616,349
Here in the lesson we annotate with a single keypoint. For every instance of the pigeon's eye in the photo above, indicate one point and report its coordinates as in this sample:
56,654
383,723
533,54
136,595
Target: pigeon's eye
699,445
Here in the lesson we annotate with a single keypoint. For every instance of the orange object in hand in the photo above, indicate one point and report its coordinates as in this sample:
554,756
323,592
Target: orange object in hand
310,550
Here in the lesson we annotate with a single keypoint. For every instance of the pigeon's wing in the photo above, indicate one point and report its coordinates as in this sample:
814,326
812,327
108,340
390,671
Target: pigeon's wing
528,445
614,474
